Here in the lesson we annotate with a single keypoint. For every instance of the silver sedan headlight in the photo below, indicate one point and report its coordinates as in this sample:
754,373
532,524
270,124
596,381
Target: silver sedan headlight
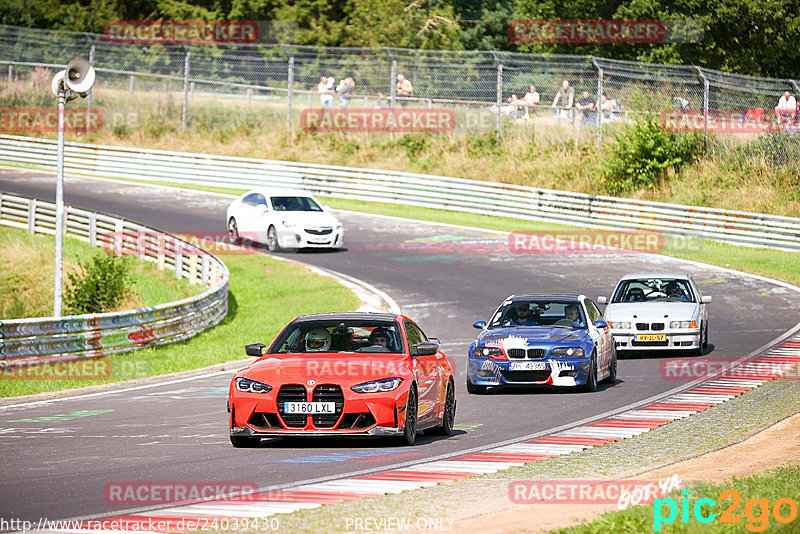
682,324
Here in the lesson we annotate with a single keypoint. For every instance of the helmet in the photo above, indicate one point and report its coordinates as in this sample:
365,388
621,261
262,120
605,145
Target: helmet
318,340
672,288
380,332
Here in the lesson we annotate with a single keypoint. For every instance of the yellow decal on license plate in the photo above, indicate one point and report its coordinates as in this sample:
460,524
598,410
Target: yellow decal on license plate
651,337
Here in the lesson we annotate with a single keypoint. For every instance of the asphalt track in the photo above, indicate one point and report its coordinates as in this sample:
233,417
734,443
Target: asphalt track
58,456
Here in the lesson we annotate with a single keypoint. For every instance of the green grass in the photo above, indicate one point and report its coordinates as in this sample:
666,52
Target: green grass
26,274
781,483
264,295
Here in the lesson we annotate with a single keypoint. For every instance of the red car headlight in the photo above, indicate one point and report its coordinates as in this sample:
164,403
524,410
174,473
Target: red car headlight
252,386
386,384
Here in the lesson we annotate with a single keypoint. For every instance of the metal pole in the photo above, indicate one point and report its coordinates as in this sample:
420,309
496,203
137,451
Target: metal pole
499,95
705,108
59,261
500,99
91,98
289,95
393,79
10,73
185,90
599,101
130,86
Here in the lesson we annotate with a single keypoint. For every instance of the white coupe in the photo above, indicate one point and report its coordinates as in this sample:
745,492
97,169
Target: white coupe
283,220
658,311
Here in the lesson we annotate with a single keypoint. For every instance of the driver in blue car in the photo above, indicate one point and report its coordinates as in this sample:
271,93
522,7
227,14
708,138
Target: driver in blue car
571,317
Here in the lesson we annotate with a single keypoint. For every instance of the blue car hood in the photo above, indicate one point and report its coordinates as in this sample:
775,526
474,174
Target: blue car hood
535,335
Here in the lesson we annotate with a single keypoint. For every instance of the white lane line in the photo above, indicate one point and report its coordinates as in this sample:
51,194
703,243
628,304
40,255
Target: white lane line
666,415
366,486
736,382
230,372
701,397
463,466
604,432
234,510
536,448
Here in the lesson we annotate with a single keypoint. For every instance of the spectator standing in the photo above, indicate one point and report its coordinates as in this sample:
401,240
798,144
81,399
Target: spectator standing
568,94
345,91
325,92
786,110
532,99
404,89
588,107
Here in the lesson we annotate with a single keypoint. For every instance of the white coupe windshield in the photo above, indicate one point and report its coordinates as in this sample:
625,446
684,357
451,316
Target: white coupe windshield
654,290
295,204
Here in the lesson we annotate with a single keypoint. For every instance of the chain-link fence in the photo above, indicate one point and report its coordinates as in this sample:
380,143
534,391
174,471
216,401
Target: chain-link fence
163,87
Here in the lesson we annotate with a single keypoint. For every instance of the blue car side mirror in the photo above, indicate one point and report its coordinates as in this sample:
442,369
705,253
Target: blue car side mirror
480,325
601,324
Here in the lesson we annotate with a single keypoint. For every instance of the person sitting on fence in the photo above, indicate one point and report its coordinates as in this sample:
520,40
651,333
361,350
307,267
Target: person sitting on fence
382,102
404,89
568,94
516,108
345,91
786,110
531,99
325,92
588,107
680,103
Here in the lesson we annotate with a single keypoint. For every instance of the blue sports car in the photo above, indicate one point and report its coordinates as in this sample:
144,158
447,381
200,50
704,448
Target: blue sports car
558,340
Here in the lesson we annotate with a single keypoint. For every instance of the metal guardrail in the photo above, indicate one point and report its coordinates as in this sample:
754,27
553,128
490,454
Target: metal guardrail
33,340
440,192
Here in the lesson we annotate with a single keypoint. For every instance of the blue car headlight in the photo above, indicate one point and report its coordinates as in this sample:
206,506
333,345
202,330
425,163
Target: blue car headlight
488,352
252,386
375,386
567,352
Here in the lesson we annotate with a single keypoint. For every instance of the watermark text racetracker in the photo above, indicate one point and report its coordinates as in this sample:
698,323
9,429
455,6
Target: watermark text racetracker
169,492
604,31
622,492
596,241
18,120
378,120
681,369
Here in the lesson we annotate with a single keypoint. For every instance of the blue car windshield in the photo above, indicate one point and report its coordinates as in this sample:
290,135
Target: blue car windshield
566,314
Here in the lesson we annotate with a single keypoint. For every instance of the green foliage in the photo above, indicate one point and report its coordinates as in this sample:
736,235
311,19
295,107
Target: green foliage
643,152
414,144
101,285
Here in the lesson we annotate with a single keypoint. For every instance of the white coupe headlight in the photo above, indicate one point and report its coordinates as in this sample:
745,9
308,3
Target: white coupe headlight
619,325
683,324
386,384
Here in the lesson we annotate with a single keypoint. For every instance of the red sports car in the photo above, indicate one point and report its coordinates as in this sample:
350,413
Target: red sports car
344,374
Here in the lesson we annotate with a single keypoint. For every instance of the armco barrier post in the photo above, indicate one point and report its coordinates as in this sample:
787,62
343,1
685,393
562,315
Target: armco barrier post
32,216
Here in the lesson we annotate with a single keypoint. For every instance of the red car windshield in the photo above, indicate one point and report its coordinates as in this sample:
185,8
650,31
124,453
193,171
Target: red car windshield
339,336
